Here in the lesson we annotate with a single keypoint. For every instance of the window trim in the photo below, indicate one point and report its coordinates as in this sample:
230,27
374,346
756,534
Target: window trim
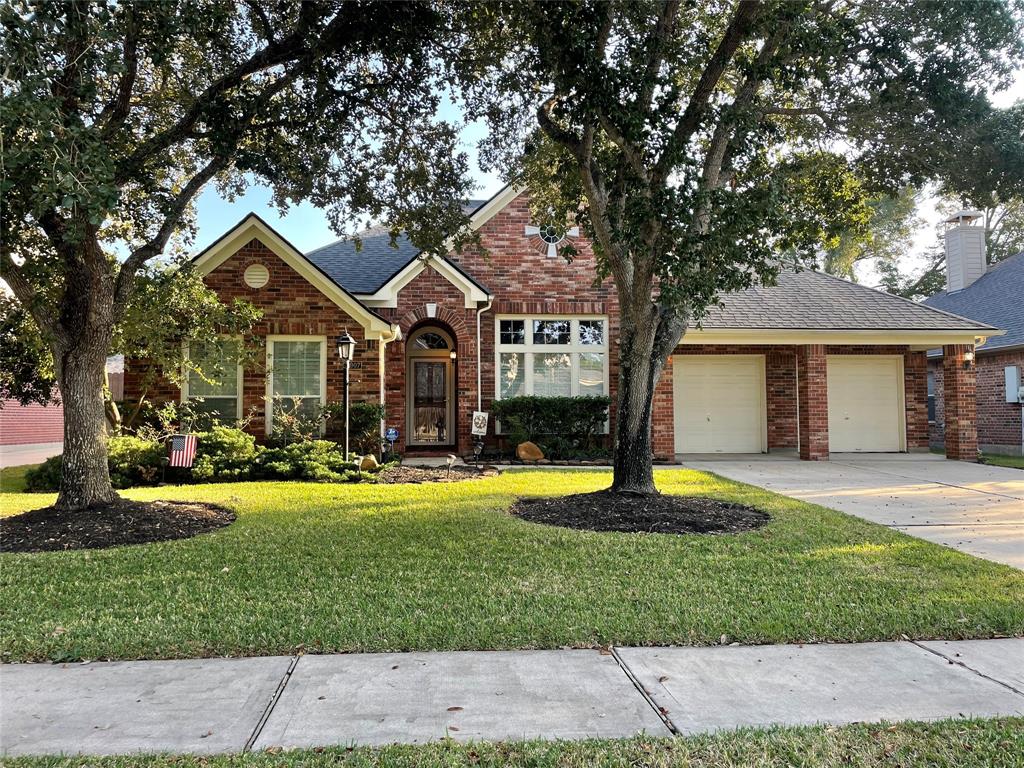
269,395
240,377
574,348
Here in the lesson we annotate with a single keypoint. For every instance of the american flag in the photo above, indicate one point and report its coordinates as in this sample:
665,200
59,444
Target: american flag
183,450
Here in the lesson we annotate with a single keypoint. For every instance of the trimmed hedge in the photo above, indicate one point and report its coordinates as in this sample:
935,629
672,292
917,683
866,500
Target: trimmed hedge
563,427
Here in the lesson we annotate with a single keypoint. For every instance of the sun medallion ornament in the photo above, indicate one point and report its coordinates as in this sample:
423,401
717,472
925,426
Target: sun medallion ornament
552,236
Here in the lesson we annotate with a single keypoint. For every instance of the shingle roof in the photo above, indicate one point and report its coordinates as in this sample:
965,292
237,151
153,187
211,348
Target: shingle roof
817,301
996,298
368,267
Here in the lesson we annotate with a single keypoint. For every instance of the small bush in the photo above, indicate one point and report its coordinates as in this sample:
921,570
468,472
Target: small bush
563,427
134,461
318,460
363,425
45,477
225,454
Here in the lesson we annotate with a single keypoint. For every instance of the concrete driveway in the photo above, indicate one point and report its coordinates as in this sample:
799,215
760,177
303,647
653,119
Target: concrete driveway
971,507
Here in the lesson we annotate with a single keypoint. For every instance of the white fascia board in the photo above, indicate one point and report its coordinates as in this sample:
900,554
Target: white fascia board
387,294
252,227
922,339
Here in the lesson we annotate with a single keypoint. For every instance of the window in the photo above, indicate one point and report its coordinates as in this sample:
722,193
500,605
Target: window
430,340
931,397
298,370
560,356
214,379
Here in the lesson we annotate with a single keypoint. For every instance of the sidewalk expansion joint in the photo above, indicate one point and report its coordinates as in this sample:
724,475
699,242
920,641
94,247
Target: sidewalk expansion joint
967,667
643,692
274,698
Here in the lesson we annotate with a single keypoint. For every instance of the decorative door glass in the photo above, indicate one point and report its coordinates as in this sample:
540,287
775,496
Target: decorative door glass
430,402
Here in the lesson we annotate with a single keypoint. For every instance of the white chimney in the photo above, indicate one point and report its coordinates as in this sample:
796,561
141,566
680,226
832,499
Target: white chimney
965,249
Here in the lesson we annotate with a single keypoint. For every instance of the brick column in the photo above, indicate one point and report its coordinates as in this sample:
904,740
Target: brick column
663,416
959,381
812,394
915,394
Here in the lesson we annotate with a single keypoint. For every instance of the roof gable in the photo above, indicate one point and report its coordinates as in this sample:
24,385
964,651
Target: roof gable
996,298
253,227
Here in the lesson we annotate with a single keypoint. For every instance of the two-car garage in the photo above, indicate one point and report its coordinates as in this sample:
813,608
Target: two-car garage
721,402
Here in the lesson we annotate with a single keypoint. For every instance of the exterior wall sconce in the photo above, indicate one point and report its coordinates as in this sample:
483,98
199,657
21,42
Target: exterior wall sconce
968,358
453,354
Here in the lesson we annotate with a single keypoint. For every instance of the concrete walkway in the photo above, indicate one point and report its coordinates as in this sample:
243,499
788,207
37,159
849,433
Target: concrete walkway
975,508
232,705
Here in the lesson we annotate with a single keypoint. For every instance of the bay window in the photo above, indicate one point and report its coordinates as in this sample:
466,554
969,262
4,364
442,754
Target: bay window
213,380
551,356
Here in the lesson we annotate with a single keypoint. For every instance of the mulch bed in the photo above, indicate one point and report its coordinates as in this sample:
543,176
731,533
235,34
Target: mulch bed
408,474
114,525
629,513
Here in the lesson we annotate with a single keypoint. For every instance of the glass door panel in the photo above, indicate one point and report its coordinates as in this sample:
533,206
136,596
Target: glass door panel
430,402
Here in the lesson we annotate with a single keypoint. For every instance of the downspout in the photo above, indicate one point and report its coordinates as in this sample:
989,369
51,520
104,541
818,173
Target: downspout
381,366
479,373
796,378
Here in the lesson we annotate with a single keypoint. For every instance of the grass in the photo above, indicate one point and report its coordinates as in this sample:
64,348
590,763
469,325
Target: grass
12,479
997,743
1000,460
330,568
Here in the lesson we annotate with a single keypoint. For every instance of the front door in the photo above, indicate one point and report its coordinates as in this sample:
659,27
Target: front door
429,402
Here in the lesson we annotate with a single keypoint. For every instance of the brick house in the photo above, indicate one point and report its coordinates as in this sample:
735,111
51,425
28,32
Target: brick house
812,365
992,294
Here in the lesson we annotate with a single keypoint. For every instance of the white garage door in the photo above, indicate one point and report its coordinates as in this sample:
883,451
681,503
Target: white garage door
719,403
865,403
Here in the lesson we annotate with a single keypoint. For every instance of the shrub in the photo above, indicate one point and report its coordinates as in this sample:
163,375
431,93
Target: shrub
225,454
134,461
564,427
45,477
363,425
319,460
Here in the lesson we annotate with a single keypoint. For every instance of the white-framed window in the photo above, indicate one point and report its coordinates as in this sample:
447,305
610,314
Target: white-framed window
551,355
213,378
296,375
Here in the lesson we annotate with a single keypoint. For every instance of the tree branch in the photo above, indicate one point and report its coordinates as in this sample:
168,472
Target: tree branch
116,110
735,33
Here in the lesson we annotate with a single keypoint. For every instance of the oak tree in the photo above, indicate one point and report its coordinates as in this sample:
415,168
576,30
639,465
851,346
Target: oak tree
703,145
115,115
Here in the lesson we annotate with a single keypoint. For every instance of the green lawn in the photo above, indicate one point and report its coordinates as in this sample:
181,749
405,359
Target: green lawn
947,744
999,460
12,479
327,568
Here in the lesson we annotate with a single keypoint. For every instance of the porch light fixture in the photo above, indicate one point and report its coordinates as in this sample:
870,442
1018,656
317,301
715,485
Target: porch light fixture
968,358
453,354
346,351
346,346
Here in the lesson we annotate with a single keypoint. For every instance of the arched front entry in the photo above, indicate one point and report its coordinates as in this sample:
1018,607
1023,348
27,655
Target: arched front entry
430,395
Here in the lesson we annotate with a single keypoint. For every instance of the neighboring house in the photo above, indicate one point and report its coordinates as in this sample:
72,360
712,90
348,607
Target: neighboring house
813,365
993,295
31,424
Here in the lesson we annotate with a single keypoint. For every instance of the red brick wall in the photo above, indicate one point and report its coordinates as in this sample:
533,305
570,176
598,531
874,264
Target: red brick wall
28,424
291,306
812,391
998,422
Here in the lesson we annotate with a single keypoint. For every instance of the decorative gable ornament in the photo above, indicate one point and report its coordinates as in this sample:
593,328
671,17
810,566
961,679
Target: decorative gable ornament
552,236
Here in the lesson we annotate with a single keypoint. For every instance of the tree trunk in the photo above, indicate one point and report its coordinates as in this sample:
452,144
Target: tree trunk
85,479
647,337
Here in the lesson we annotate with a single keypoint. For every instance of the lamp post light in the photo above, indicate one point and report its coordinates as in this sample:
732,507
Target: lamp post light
346,350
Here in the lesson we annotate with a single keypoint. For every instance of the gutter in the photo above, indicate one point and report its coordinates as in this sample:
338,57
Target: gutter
396,333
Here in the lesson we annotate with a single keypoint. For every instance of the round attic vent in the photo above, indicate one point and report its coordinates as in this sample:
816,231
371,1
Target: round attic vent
256,275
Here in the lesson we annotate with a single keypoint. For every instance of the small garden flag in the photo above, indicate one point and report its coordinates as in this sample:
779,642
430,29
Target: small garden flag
183,450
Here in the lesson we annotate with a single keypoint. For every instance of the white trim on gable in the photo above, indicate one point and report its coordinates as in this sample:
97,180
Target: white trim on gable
252,227
387,294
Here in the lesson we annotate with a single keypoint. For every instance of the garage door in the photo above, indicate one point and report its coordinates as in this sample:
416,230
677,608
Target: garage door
865,403
719,403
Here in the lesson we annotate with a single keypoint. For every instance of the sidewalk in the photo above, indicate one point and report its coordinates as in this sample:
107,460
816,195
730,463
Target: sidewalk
231,705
